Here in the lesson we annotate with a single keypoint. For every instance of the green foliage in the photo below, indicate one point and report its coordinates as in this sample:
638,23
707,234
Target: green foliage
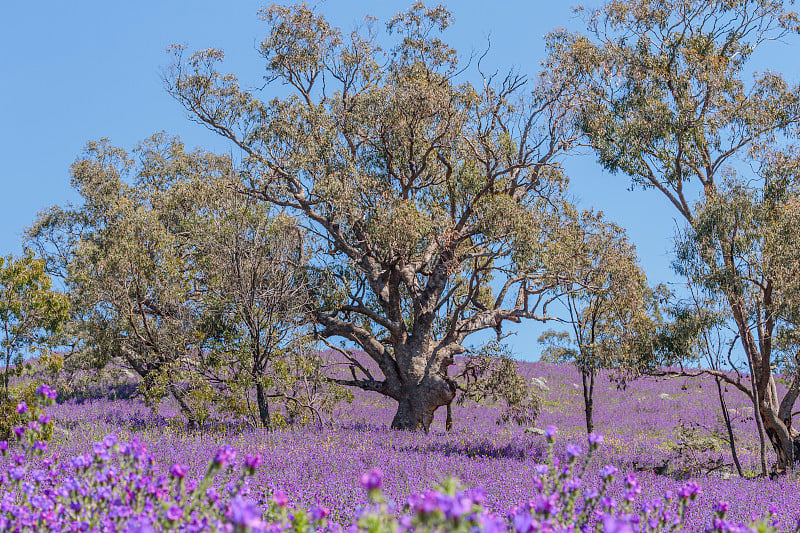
10,415
610,310
491,375
176,276
422,189
605,294
697,451
30,312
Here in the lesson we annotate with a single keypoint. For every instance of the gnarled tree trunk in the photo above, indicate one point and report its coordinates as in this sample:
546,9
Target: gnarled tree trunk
777,428
418,401
784,440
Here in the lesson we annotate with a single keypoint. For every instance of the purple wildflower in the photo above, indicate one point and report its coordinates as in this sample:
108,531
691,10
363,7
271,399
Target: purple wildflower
224,456
178,471
372,480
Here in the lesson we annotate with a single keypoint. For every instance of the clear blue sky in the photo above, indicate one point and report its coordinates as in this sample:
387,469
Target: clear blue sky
71,72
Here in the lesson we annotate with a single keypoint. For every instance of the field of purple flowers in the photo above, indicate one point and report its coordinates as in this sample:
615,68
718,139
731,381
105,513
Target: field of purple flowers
667,432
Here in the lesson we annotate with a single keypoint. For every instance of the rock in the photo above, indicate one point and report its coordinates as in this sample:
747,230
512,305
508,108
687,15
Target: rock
576,386
665,396
540,384
534,431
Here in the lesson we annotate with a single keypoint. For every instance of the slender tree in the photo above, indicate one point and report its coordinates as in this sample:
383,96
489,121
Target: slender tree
670,104
199,290
605,295
30,311
254,274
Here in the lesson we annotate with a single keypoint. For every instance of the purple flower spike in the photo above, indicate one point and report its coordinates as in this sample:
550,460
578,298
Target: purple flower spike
550,432
280,499
318,512
573,450
595,439
690,491
251,462
178,471
246,514
612,524
372,480
22,408
46,392
225,456
174,513
608,471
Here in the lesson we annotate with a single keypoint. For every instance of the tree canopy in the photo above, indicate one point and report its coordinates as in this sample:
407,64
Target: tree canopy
669,101
433,199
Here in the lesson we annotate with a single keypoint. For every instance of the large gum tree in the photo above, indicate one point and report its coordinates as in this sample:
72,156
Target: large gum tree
432,188
672,103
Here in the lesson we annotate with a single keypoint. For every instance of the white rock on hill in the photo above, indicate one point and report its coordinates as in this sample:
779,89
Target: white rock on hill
540,384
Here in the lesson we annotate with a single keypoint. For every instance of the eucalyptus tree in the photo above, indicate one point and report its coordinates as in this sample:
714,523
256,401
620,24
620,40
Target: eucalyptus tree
30,312
201,291
607,301
421,187
254,275
130,265
672,104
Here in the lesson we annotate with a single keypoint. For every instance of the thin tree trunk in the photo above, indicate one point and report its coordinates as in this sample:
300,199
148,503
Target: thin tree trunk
587,377
8,360
191,419
757,413
448,423
727,418
762,444
5,376
263,406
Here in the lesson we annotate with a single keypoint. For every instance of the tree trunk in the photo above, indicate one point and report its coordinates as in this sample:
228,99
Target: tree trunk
448,423
765,395
263,406
418,403
726,416
180,395
5,376
588,397
779,435
766,412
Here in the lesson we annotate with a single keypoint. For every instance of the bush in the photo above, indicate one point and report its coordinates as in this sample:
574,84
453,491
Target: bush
23,404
